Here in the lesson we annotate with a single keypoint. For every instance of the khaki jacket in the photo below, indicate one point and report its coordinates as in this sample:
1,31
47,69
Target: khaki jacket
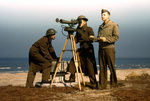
110,31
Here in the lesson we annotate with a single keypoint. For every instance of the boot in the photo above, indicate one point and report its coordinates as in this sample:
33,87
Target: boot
71,78
93,83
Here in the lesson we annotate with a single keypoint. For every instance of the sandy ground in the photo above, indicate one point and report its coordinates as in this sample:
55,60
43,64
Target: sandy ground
19,79
133,85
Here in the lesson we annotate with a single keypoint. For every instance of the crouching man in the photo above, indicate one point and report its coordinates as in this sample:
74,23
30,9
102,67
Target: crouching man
41,57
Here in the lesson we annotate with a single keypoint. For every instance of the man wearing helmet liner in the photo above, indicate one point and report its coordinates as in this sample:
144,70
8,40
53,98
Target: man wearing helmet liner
41,56
86,52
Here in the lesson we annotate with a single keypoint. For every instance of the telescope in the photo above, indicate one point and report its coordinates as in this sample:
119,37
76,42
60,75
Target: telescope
70,23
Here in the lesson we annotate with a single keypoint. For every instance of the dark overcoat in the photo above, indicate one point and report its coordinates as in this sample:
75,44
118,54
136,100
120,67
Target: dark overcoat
41,54
86,51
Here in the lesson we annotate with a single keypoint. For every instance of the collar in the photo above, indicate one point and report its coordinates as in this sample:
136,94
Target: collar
84,27
105,24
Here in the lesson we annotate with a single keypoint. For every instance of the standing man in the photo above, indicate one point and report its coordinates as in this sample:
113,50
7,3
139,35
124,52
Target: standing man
41,56
86,52
108,34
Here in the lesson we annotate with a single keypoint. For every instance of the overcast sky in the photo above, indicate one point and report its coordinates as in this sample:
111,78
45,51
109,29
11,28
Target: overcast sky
22,22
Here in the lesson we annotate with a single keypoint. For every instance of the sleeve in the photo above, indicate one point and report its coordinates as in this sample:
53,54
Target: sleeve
76,38
115,34
52,52
97,39
45,51
90,30
98,32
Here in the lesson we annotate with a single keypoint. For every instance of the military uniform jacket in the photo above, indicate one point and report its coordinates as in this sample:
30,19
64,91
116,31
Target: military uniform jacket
86,48
110,31
41,54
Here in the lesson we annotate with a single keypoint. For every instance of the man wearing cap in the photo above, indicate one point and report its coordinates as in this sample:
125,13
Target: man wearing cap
86,52
41,55
108,34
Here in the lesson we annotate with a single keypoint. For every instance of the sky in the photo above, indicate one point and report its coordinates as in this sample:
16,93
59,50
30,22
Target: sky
23,22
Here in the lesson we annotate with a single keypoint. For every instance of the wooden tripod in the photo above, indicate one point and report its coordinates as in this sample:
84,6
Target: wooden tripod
75,57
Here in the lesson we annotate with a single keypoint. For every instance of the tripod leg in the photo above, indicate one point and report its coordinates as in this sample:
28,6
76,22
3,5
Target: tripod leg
80,68
75,58
59,61
79,62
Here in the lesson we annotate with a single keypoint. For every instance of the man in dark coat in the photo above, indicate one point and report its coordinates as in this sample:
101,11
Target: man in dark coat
41,55
108,34
86,52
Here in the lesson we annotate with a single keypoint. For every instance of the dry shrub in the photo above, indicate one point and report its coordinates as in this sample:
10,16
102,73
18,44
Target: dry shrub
134,76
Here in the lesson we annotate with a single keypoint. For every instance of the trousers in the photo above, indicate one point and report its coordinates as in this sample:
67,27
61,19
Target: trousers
45,74
107,59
